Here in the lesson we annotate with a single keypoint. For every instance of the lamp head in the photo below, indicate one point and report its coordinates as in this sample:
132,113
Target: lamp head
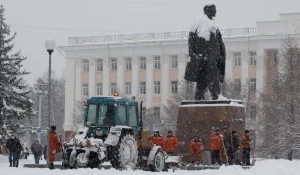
50,44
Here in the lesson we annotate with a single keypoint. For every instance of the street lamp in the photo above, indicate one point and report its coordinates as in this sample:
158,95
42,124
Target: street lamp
41,89
50,46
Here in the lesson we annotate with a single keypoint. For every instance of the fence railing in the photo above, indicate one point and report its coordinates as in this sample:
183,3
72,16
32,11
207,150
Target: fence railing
155,36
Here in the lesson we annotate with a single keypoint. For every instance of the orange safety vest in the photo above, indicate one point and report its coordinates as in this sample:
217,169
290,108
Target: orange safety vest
246,141
171,143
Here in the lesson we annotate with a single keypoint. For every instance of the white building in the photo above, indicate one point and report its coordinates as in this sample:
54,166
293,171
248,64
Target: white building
149,65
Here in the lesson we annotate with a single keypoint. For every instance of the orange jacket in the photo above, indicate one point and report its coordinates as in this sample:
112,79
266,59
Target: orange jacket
159,141
54,143
171,144
196,146
246,141
215,142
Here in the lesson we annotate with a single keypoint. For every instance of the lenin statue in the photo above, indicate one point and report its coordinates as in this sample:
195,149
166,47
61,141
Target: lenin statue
206,62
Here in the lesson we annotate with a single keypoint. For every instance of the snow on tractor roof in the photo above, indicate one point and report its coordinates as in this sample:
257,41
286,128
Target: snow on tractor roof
100,96
122,126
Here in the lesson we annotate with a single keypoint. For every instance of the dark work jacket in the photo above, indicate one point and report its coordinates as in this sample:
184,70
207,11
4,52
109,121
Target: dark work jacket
14,145
207,57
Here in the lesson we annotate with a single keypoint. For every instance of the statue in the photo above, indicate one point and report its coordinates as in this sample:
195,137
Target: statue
206,63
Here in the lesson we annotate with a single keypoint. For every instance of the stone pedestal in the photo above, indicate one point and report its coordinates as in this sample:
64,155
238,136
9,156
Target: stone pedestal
199,118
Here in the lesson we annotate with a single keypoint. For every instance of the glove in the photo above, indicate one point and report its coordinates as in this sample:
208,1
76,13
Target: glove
54,151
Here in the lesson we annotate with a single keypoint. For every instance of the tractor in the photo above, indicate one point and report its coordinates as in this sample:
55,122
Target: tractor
122,140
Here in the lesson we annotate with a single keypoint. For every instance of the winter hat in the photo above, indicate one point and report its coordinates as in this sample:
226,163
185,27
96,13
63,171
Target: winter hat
170,132
216,130
53,128
247,131
225,127
233,131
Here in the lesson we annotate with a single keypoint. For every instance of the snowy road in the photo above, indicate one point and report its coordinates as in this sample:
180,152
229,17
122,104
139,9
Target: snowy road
267,167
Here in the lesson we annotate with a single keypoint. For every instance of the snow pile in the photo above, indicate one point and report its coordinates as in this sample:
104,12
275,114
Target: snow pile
276,167
221,97
203,25
265,167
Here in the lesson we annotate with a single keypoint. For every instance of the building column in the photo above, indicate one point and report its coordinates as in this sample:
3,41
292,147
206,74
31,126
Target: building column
165,82
245,73
135,76
228,66
92,77
69,95
105,83
181,66
120,75
78,86
260,70
149,82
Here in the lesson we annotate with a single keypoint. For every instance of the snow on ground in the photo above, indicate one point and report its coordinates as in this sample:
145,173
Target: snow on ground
264,167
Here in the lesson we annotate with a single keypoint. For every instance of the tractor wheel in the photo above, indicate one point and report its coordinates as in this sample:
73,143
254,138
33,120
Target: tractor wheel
159,162
82,160
125,154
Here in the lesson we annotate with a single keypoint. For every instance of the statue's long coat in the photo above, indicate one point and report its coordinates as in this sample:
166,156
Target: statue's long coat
206,53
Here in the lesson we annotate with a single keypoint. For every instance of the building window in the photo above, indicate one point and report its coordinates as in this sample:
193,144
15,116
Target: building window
86,65
142,88
237,59
99,65
252,112
128,64
113,88
174,60
114,64
157,62
237,84
156,87
143,63
253,58
275,58
174,87
85,90
156,111
253,84
128,88
99,89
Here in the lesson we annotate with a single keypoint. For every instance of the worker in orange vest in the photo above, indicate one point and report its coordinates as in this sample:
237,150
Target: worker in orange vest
215,146
246,141
171,143
156,139
55,146
196,149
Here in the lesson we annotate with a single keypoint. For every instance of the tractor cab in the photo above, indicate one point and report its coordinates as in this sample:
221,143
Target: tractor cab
105,112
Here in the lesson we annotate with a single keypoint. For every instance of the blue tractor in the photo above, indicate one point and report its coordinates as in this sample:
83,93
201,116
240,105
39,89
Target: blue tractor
112,127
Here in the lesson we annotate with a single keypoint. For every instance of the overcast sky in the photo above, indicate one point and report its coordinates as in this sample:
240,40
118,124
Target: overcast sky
34,20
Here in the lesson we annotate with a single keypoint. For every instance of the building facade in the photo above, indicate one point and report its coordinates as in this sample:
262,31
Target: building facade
150,65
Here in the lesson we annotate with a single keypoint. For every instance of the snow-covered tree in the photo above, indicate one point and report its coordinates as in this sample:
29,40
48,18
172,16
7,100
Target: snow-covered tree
280,122
78,115
15,102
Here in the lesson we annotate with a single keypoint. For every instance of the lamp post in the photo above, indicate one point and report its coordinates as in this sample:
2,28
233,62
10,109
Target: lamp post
41,89
50,46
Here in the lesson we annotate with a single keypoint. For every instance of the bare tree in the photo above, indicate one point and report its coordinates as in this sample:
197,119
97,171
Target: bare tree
280,122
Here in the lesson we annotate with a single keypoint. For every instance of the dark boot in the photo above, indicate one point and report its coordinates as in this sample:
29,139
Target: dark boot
51,166
17,163
10,164
14,164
